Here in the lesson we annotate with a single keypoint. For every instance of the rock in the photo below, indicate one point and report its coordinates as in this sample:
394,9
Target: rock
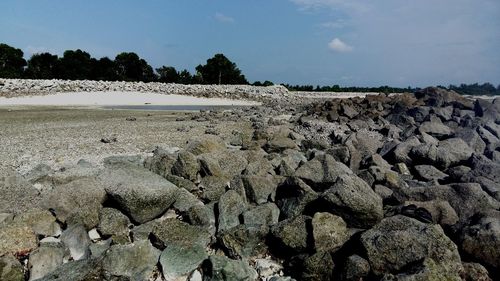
452,152
135,261
185,200
45,259
76,202
178,261
319,267
17,240
401,243
480,239
131,118
279,145
18,195
445,113
329,232
340,154
41,221
355,268
82,270
98,248
293,196
109,139
352,199
173,231
230,207
140,194
259,189
266,214
207,144
475,272
267,268
94,235
292,234
161,162
322,171
115,224
473,139
6,218
213,188
134,160
362,144
440,210
11,269
429,173
202,215
217,268
77,240
401,152
186,166
244,241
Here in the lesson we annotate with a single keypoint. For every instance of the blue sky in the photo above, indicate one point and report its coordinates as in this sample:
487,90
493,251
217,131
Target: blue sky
346,42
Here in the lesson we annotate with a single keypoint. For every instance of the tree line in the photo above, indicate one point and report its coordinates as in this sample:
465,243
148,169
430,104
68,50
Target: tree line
128,66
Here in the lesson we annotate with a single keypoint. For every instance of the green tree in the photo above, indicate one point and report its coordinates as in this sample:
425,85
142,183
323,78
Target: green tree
104,70
130,67
220,70
185,77
168,74
42,66
75,65
12,62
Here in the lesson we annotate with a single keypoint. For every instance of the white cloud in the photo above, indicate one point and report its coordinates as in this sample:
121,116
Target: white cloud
338,24
338,45
354,5
220,17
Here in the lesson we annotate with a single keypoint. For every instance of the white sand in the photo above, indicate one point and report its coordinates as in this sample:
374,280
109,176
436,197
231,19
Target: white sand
118,98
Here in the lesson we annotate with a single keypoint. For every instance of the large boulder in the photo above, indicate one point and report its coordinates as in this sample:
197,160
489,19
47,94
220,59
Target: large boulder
173,231
292,234
18,195
293,196
329,232
220,268
45,259
355,201
260,189
17,239
322,171
178,262
186,166
11,269
138,192
244,241
401,243
230,207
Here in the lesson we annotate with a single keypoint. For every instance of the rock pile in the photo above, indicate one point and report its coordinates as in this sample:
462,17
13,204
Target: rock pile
23,87
383,188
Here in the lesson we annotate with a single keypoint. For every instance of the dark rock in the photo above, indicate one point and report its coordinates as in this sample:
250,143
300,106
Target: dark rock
178,262
429,173
173,231
217,268
329,232
11,269
475,272
293,196
245,241
212,188
436,129
202,215
356,268
292,234
186,166
266,214
322,171
230,207
83,270
318,267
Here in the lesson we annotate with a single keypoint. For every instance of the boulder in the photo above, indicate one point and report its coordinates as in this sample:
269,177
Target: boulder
230,207
266,214
355,268
76,202
213,188
134,261
17,240
45,259
41,221
475,272
322,171
18,195
202,215
205,144
11,269
139,193
244,241
77,240
179,261
429,173
440,210
219,268
82,270
318,266
185,200
260,189
329,232
186,166
292,234
402,243
114,224
354,200
173,231
293,196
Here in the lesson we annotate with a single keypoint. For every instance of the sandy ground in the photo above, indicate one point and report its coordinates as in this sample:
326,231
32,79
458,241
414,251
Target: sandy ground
118,98
59,136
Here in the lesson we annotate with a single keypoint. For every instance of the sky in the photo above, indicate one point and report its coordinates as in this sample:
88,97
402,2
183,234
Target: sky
401,43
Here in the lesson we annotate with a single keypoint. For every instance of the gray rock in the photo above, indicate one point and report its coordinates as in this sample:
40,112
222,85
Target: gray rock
76,202
279,145
139,193
213,188
475,272
322,171
77,240
445,113
135,261
441,211
186,166
45,259
134,160
230,207
98,248
178,261
185,200
436,128
355,201
17,239
115,224
217,268
205,144
244,241
429,173
202,215
82,270
293,196
401,152
400,242
11,269
173,231
383,191
266,214
292,234
355,268
473,139
329,232
480,239
41,221
18,195
259,189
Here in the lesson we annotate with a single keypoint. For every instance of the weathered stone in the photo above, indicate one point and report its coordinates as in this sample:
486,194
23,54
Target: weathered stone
41,221
322,171
178,261
202,215
230,207
217,268
173,231
429,173
400,242
280,145
475,272
77,240
18,195
293,196
115,224
186,166
185,200
17,239
266,214
45,259
292,234
355,201
259,189
329,232
76,202
11,269
206,144
319,267
135,261
355,268
139,193
213,187
441,211
245,241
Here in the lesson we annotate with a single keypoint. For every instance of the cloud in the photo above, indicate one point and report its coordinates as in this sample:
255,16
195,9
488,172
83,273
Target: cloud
220,17
338,45
353,5
338,24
